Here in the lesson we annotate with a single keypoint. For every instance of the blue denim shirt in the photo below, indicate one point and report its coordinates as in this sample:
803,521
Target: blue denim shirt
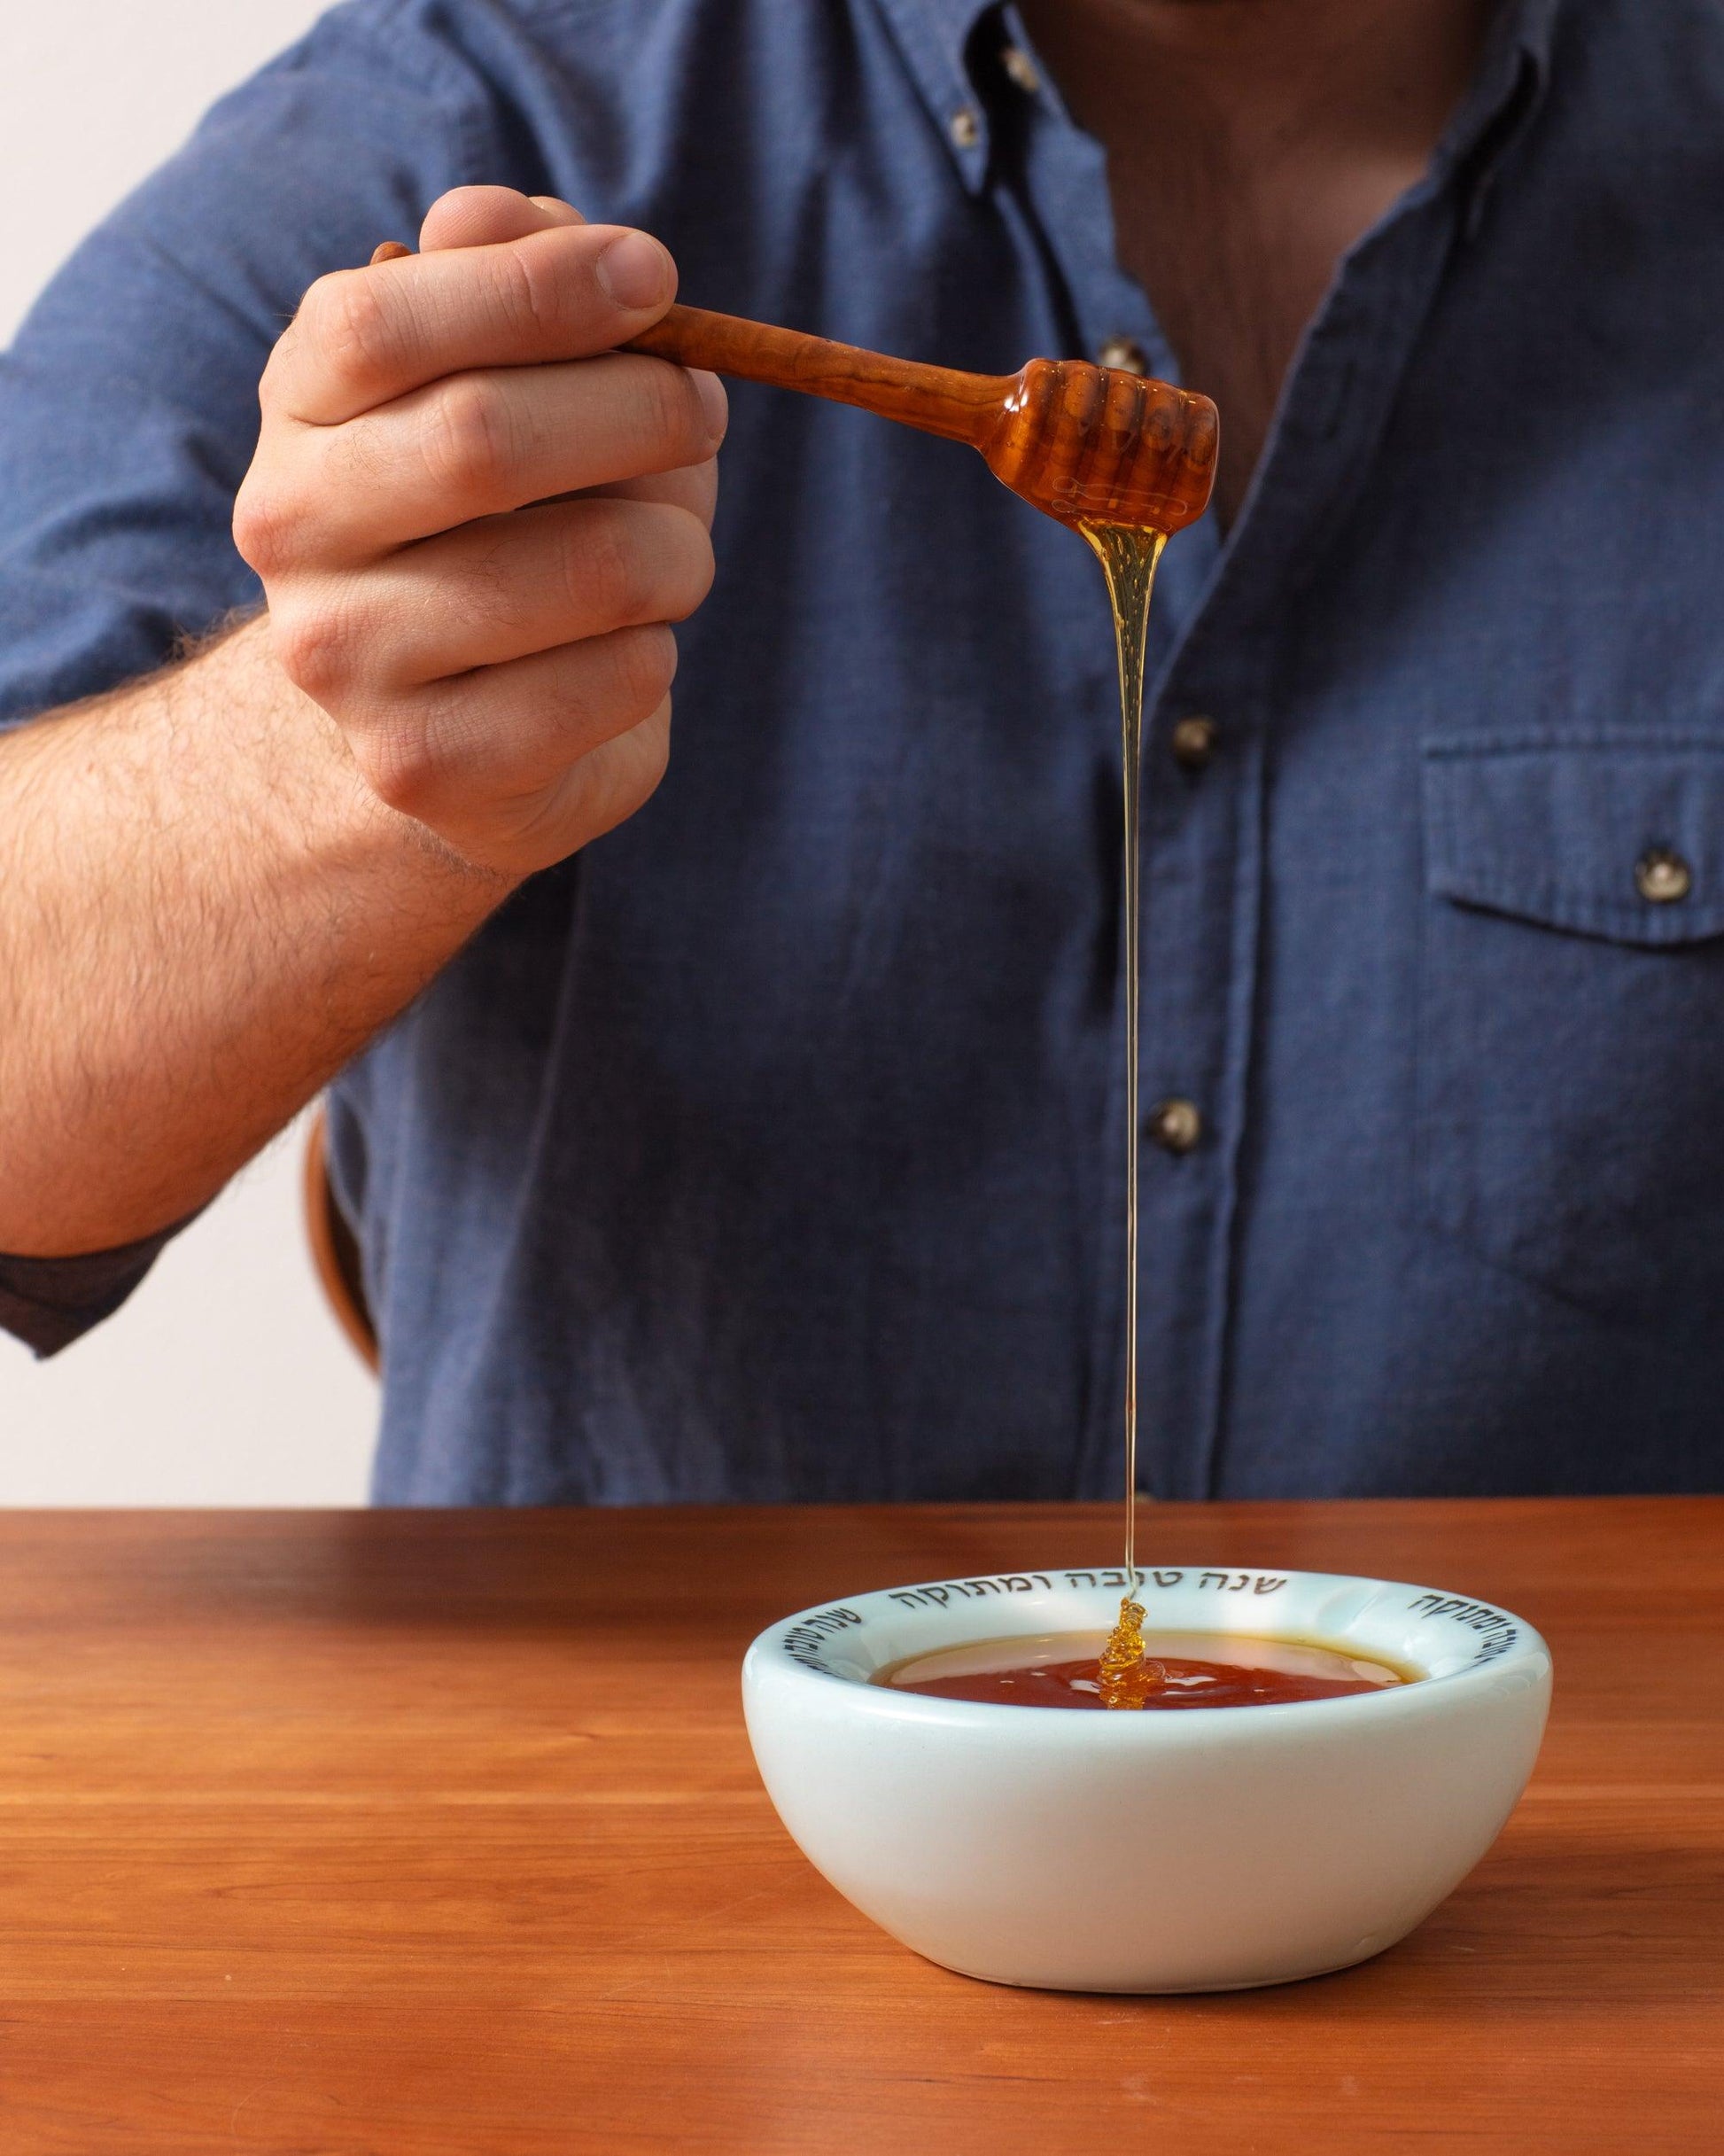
772,1147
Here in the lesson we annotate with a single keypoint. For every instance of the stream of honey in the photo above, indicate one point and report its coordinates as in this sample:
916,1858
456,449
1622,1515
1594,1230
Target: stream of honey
1127,554
1078,1670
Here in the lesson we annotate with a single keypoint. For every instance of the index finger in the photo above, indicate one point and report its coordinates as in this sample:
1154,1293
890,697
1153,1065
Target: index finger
365,337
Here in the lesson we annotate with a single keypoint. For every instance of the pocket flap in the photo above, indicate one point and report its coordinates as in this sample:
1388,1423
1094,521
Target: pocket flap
1618,836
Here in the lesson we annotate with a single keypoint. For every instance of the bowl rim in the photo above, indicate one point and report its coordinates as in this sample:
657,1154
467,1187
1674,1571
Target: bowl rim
770,1656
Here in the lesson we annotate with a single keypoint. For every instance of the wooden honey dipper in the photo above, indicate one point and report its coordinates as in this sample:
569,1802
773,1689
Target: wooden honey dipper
1088,445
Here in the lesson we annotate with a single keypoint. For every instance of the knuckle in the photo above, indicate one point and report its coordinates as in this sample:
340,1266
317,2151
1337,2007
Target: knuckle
646,659
605,574
401,764
465,435
529,291
350,326
270,382
263,526
700,565
309,650
628,563
634,768
672,424
654,737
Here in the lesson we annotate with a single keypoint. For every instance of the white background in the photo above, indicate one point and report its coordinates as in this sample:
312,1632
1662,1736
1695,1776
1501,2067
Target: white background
224,1381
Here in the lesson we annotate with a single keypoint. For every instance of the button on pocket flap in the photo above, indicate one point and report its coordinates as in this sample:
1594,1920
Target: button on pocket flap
1618,836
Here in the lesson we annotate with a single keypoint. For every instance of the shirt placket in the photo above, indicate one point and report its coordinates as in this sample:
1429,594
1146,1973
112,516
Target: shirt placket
1207,733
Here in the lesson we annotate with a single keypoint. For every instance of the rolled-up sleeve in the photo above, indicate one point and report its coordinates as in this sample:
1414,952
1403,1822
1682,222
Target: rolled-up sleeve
48,1301
129,402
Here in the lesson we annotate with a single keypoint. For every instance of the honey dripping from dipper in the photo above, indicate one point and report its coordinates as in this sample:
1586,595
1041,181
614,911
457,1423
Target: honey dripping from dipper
1127,555
1122,460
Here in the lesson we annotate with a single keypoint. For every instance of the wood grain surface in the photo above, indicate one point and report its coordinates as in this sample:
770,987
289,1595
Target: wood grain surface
352,1834
1080,443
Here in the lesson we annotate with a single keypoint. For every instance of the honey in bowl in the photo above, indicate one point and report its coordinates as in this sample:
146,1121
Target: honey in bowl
1179,1670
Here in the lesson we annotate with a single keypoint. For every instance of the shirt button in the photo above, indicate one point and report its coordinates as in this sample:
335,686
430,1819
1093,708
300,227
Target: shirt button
1022,69
1662,878
1173,1126
964,128
1194,742
1124,353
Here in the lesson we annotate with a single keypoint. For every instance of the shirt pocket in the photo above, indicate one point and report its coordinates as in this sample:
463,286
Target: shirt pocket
1570,1050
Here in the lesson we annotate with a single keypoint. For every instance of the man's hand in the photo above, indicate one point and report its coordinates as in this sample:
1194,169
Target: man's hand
474,535
216,891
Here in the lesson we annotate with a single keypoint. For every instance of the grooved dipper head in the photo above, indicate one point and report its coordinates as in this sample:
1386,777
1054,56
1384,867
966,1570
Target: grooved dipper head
1095,445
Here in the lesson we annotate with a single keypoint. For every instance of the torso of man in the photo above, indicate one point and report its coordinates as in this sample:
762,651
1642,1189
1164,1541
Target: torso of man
768,1147
1250,143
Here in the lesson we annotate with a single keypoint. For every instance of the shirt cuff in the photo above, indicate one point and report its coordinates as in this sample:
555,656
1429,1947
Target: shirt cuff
48,1303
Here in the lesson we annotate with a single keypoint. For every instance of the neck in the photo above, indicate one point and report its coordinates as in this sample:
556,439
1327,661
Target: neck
1250,143
1273,71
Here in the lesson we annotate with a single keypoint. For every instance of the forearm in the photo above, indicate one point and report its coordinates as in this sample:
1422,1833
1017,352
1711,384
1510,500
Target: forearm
203,913
475,520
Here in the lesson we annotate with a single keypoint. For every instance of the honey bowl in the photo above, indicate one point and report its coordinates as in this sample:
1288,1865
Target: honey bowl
1205,1850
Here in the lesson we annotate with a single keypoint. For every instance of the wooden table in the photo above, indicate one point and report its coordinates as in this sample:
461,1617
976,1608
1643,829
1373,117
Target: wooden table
339,1834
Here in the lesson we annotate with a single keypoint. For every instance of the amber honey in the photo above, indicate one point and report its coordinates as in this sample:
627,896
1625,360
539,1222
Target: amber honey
1179,1670
1127,555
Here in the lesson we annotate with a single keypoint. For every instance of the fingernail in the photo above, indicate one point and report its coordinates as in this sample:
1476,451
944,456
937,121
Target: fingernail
714,403
634,271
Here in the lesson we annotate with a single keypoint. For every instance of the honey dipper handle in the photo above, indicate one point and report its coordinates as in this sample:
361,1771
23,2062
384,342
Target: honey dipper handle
937,400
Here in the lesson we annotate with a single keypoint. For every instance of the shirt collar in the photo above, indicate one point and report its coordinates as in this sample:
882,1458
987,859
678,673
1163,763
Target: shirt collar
1508,89
934,36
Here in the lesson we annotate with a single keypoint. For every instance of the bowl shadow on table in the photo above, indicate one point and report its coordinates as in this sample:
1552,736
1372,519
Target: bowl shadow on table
1498,2024
1562,1915
1520,1937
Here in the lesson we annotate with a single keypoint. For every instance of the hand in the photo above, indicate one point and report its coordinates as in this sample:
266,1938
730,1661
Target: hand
473,535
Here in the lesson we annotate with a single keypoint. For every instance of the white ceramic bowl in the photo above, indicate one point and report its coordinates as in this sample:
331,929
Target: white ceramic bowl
1192,1851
